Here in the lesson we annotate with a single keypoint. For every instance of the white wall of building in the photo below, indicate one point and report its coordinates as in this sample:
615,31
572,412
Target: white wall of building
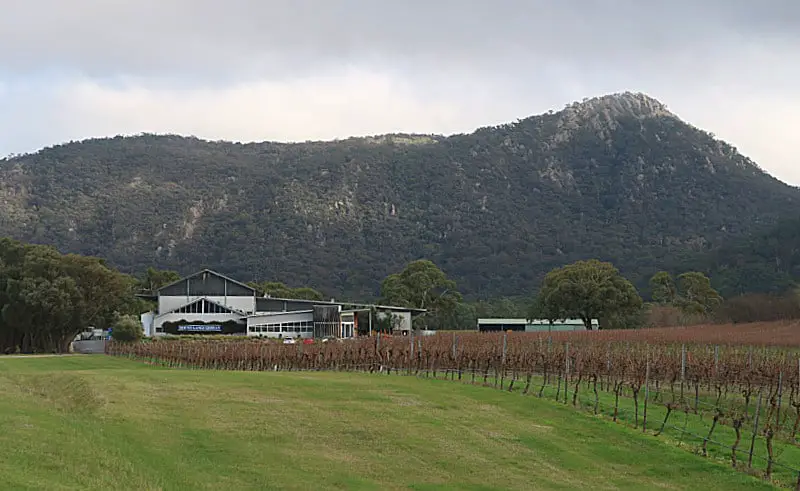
402,322
148,320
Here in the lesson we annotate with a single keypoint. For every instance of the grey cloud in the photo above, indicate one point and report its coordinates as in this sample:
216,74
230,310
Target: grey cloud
729,66
280,37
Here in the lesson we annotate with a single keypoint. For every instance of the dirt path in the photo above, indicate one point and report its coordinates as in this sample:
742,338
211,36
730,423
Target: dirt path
41,356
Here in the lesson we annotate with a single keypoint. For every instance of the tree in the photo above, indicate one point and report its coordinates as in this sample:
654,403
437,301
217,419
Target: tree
586,290
506,307
462,317
696,293
127,329
279,290
47,298
306,293
153,279
663,288
422,285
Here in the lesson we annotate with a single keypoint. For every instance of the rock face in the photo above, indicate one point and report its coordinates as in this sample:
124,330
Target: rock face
616,177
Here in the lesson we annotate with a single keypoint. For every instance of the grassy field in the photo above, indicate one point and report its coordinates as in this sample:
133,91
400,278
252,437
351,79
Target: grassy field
93,422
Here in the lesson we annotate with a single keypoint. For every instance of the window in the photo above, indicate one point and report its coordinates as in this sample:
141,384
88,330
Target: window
203,306
289,328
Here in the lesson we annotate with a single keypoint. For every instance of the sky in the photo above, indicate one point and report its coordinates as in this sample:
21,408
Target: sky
295,70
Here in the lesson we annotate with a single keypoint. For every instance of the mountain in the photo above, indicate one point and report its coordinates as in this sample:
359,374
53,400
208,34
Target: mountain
617,177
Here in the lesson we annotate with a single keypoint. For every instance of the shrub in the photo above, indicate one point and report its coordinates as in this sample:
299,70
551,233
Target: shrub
670,316
127,329
759,308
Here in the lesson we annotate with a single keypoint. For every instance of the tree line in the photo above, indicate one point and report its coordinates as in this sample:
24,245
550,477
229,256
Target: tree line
586,290
47,298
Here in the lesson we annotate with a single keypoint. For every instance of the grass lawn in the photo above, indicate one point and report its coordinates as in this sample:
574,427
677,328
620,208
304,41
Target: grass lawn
687,430
94,422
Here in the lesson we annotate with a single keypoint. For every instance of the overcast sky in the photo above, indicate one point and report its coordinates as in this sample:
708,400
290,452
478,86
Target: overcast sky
320,69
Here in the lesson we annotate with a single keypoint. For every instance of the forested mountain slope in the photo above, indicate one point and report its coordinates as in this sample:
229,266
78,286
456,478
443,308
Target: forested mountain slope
766,262
617,178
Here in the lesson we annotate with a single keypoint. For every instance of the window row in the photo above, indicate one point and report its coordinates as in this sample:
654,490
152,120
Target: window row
287,327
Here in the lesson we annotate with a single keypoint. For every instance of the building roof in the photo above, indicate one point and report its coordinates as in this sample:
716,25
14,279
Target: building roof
562,321
208,271
490,321
503,321
266,314
350,304
355,305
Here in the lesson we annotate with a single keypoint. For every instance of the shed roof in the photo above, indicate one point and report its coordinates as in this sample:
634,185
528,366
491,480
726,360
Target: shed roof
502,321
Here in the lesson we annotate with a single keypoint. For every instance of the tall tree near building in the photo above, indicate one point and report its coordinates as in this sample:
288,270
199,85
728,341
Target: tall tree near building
587,290
279,290
693,293
422,285
153,279
696,293
663,288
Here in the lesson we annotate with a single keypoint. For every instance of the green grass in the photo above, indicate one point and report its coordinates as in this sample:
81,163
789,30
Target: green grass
687,429
93,422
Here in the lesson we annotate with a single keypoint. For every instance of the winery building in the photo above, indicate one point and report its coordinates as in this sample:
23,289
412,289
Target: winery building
207,302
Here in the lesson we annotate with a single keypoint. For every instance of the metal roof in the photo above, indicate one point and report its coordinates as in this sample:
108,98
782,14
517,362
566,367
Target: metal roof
211,272
351,304
562,321
490,321
266,314
503,321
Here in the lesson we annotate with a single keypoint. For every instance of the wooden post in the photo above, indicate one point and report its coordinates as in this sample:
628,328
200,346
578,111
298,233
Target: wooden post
646,391
683,369
683,362
755,429
780,401
566,371
503,362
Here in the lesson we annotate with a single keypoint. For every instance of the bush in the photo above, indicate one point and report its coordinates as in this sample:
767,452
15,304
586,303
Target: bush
127,329
632,320
671,316
759,308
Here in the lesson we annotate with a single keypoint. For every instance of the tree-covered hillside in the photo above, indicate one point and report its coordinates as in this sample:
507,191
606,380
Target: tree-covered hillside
618,178
766,262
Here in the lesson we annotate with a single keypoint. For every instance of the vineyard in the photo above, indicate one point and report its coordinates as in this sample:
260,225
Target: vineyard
722,396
